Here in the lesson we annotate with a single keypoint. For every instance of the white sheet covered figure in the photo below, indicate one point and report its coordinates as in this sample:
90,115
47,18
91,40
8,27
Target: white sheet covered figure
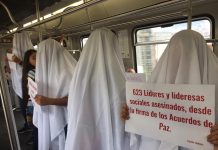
97,93
21,43
186,60
54,71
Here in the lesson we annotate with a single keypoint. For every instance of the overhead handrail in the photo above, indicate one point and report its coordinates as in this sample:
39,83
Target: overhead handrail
9,117
67,12
93,2
9,14
147,10
120,24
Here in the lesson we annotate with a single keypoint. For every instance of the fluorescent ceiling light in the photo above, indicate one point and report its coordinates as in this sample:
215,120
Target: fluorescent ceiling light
47,16
58,11
14,29
76,3
27,24
53,13
34,21
71,5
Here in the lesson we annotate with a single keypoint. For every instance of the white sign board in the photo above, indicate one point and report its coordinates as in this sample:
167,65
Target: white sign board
178,114
32,89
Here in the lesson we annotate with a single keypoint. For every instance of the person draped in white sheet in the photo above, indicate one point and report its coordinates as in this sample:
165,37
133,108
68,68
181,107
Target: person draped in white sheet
21,43
96,95
54,70
186,60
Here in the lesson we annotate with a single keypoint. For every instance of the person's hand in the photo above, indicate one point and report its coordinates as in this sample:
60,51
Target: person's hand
7,69
125,112
42,100
16,59
213,136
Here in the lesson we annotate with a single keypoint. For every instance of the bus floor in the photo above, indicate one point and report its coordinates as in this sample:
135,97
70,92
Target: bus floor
4,138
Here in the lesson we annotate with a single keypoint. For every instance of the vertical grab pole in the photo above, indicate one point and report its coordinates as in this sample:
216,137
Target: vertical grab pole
189,14
87,13
38,18
8,113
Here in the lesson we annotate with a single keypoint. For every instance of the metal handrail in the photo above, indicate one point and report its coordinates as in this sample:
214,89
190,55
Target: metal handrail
149,9
118,24
167,41
74,9
9,117
9,14
189,25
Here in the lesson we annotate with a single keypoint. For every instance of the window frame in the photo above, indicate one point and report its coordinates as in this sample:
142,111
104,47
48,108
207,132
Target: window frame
210,18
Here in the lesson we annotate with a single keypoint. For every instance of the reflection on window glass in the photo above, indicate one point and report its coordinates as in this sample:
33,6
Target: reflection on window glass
153,42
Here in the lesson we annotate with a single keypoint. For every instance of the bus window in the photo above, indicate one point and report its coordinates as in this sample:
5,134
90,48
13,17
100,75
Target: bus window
151,42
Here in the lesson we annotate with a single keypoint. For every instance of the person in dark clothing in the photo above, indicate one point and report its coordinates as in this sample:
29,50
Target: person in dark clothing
29,64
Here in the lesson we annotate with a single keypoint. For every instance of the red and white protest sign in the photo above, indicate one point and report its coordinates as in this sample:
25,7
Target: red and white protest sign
178,114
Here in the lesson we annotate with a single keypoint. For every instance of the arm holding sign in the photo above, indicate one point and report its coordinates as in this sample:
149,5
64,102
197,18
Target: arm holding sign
213,137
125,112
17,60
42,100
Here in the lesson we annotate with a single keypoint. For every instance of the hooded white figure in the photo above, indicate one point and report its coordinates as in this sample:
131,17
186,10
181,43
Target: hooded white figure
54,71
21,43
186,60
97,93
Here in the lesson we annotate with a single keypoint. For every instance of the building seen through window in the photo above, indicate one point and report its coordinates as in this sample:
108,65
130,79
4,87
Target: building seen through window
151,42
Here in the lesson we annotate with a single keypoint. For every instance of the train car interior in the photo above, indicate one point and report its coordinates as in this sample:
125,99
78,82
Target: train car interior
143,28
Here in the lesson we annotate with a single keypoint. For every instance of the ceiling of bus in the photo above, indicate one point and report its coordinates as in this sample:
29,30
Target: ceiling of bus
111,8
75,21
21,9
103,10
